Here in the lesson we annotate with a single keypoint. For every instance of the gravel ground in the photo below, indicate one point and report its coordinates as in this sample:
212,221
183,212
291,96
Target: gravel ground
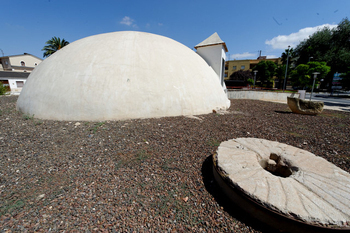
146,175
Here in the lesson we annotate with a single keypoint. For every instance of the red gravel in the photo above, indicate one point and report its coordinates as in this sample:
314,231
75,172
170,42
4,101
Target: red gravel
146,175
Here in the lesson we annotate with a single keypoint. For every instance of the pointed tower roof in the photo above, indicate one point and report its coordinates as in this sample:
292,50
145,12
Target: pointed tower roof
212,40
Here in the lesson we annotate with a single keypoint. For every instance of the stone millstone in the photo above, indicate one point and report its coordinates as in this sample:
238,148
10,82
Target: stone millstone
304,106
284,179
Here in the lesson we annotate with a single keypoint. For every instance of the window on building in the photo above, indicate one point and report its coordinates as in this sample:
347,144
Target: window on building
23,63
226,75
242,67
234,67
19,84
226,67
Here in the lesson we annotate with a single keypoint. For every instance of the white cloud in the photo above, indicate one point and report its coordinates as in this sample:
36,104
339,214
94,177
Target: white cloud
242,55
128,22
271,56
149,25
293,39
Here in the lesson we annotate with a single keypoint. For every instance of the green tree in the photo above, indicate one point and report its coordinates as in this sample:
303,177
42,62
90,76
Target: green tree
302,75
52,45
243,75
266,71
291,55
329,45
280,73
320,67
315,48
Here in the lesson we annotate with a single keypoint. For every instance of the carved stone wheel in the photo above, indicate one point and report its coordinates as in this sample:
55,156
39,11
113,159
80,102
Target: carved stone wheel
285,181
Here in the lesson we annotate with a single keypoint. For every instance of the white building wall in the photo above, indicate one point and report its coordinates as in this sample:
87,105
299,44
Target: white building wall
212,55
29,60
215,56
16,84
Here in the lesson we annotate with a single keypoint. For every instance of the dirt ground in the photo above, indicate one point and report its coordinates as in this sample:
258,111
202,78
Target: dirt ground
144,175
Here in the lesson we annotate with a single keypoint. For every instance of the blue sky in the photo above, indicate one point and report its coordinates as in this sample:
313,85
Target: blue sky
246,26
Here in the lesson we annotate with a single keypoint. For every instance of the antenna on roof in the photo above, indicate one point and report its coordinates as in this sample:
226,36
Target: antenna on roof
2,52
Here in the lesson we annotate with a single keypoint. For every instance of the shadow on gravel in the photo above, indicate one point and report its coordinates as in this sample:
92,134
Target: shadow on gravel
235,211
283,112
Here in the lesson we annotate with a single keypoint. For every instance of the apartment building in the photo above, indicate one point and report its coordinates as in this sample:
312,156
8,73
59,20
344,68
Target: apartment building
14,70
249,64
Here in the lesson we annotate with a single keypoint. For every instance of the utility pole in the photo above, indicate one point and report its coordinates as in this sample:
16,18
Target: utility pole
255,71
315,76
285,74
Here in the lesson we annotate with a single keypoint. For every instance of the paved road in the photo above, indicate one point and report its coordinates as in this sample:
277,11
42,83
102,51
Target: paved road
331,102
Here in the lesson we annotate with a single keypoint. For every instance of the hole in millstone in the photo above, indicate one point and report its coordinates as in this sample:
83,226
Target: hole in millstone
277,166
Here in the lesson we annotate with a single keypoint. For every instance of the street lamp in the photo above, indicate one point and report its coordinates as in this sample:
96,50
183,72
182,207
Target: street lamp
285,74
255,71
315,76
310,58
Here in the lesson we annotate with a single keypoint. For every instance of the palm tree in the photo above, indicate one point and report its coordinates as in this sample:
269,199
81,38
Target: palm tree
54,44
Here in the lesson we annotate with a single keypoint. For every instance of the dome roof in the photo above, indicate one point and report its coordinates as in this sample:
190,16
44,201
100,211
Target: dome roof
122,75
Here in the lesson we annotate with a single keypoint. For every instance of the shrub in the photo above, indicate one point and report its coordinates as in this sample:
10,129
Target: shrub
250,81
3,89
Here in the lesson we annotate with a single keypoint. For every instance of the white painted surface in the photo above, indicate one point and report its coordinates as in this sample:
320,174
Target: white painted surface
213,56
28,59
213,50
15,89
14,85
302,94
260,95
122,75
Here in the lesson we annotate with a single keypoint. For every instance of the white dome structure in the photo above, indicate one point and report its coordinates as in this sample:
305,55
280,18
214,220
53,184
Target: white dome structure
122,75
